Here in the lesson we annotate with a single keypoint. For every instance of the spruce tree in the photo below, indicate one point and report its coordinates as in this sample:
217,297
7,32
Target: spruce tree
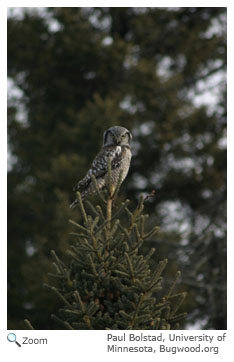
109,283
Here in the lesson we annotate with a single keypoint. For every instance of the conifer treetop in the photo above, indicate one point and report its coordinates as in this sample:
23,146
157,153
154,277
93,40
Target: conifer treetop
109,283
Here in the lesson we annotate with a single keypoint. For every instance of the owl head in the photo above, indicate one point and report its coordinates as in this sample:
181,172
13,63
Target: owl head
117,136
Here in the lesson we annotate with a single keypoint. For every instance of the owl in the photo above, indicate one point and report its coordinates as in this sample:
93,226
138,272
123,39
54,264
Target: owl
116,146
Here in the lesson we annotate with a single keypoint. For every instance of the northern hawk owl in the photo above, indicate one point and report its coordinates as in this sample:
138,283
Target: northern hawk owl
116,146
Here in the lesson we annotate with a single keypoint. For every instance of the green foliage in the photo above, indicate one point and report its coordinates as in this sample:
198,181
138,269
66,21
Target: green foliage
109,283
78,71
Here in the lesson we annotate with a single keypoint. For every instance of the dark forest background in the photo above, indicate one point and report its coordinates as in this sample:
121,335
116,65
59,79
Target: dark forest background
160,72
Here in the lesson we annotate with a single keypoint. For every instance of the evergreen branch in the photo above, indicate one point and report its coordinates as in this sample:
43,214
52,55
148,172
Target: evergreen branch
161,306
136,246
117,283
87,321
68,325
120,208
142,225
125,231
130,215
92,208
110,189
144,319
111,258
155,323
59,264
140,284
122,324
92,308
93,239
143,268
108,217
104,274
78,235
97,189
176,306
61,277
100,212
167,312
93,265
178,317
56,268
109,202
79,325
130,267
95,222
61,297
75,253
87,275
149,255
113,217
140,206
86,245
117,242
136,233
29,324
155,278
140,265
165,325
134,216
125,316
78,225
88,231
76,313
122,266
116,191
178,274
77,297
175,326
151,232
114,228
82,209
137,310
126,247
101,227
90,220
121,273
57,320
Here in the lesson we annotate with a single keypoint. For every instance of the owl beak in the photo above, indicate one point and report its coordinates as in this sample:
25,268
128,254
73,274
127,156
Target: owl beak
118,141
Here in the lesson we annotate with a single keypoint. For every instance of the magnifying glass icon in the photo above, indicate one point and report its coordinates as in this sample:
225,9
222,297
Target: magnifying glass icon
11,337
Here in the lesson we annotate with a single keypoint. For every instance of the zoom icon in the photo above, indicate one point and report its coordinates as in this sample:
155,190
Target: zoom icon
11,337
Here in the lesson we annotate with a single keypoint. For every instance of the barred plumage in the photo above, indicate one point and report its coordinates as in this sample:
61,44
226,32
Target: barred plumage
116,146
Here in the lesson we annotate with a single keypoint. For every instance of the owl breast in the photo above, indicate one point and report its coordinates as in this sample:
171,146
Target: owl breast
120,163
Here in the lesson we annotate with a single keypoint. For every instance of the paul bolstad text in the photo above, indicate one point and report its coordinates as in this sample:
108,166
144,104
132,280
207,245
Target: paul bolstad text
171,343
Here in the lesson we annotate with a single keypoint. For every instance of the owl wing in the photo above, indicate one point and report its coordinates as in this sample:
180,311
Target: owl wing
99,165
